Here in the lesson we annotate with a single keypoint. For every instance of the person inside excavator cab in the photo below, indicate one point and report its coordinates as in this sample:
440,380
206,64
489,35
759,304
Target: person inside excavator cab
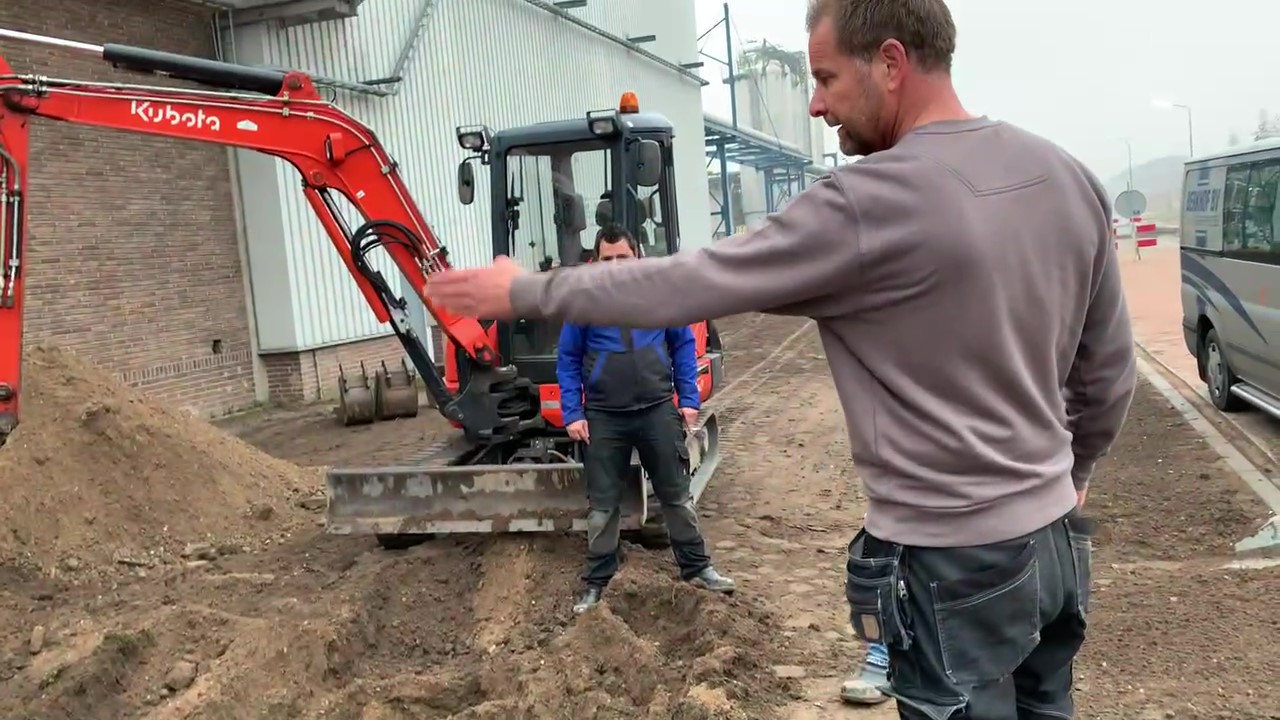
650,236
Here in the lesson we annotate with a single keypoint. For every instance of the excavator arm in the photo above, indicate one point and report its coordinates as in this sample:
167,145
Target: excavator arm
281,114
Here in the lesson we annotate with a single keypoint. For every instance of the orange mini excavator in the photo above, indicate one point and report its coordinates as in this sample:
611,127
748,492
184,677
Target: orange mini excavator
512,468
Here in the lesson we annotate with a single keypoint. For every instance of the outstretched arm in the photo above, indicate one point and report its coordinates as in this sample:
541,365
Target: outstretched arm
792,264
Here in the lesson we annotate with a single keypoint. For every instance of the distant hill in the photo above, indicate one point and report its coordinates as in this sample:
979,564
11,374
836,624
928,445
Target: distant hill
1160,180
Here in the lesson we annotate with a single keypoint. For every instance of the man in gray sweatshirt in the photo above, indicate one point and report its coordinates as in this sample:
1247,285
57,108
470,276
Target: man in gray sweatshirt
968,296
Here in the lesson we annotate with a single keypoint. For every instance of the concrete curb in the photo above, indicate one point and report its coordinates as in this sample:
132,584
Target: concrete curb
1269,535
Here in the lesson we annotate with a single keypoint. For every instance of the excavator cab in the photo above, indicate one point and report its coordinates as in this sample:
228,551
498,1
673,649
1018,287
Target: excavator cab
552,186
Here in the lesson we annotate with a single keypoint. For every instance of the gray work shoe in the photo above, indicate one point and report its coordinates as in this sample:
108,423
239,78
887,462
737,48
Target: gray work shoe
865,689
713,581
859,691
590,599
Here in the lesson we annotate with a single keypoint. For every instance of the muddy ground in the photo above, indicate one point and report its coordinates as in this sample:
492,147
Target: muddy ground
244,610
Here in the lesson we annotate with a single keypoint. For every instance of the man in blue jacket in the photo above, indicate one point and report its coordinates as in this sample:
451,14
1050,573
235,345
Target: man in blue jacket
628,377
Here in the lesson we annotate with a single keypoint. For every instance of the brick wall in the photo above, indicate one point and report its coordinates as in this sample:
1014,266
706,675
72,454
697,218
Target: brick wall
313,374
132,258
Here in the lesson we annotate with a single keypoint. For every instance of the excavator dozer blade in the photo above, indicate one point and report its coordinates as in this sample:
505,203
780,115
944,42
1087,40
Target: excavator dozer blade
466,499
443,497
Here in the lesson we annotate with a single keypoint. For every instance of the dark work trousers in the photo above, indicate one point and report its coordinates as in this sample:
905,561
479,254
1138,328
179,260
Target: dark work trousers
657,434
976,633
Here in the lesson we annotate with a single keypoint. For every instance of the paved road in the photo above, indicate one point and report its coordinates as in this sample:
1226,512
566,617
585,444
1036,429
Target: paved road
1152,289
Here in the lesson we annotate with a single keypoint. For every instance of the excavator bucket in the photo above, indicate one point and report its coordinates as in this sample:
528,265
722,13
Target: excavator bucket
447,495
395,392
356,405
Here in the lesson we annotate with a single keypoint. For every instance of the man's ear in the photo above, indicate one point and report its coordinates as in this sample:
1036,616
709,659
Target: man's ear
893,57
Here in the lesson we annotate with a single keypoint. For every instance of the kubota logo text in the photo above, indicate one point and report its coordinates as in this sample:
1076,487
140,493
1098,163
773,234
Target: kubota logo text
166,114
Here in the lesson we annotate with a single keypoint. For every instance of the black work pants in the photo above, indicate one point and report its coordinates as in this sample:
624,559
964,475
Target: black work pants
657,434
976,633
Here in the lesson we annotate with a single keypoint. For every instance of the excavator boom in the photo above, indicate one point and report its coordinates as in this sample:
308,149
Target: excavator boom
335,155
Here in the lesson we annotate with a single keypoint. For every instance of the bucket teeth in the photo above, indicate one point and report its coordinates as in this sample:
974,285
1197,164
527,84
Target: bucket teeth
395,392
356,402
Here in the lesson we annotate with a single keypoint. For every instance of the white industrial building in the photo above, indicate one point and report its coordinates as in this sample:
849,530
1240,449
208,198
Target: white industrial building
496,62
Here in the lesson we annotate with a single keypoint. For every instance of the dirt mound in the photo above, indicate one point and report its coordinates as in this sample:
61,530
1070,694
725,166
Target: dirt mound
96,476
313,626
334,629
505,644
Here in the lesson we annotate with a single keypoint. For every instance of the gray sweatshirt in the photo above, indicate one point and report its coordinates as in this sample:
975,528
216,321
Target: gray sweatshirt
968,298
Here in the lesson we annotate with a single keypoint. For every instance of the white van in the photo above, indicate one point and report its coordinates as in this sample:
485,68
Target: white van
1230,257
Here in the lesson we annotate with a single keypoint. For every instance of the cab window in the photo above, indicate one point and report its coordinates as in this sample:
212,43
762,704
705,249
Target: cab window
558,190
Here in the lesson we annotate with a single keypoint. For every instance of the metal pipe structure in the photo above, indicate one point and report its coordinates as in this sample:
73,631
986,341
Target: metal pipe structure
728,55
784,166
726,210
396,78
601,32
763,138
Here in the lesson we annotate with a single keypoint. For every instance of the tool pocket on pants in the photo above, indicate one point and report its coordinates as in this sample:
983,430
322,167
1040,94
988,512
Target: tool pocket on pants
1082,560
872,589
682,452
989,622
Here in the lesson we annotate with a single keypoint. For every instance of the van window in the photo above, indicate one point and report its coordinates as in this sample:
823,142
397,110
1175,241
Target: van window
1237,189
1251,212
1258,233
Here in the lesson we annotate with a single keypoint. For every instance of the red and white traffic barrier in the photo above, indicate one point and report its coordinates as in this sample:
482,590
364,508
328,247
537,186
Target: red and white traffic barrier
1145,233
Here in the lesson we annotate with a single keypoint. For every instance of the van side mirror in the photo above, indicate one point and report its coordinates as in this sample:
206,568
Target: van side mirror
648,167
466,182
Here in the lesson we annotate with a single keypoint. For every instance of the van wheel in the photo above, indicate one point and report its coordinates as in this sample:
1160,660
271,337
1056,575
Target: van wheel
1218,375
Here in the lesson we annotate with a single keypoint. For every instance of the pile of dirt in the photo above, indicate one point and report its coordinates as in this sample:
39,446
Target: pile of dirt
314,626
96,477
334,629
506,645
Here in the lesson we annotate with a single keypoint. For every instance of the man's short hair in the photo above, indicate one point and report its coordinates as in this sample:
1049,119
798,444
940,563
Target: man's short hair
612,233
924,27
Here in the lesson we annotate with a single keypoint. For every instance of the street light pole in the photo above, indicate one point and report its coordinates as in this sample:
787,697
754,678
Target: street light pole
1191,136
1191,141
1129,145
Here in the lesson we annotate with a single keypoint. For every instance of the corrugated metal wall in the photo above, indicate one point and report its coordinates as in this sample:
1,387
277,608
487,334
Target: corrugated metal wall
497,62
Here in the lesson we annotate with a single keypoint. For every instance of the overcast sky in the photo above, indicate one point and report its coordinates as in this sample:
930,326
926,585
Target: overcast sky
1082,73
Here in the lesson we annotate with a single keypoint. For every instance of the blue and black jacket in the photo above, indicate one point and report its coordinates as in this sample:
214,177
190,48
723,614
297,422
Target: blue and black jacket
621,369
